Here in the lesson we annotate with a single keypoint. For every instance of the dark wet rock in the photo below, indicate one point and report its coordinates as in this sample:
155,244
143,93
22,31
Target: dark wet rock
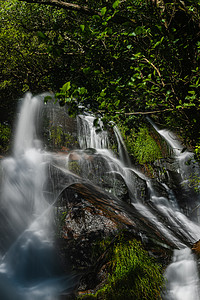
85,216
196,248
140,188
167,172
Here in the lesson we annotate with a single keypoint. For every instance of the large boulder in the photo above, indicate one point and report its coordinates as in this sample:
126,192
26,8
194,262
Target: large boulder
86,216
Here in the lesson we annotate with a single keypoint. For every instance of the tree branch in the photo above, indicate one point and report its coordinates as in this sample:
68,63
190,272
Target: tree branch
147,112
163,84
69,6
140,112
80,8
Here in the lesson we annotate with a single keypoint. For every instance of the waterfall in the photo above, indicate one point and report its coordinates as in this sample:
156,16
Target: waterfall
184,158
87,133
29,266
123,154
182,276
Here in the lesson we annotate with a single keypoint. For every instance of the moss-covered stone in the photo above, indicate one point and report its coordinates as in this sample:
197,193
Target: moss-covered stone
132,274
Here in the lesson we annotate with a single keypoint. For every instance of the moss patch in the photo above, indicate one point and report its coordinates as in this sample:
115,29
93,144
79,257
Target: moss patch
133,274
142,145
145,148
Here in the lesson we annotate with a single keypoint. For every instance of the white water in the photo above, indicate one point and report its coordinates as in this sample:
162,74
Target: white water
184,158
123,154
182,277
88,138
29,269
182,274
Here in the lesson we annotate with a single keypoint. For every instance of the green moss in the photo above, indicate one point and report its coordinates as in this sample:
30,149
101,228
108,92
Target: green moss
145,148
133,275
141,145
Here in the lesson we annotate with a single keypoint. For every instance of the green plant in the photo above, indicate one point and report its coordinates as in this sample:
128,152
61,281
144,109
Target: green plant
133,274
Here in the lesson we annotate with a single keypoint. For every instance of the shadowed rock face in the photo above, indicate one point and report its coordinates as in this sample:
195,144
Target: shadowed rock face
86,216
87,210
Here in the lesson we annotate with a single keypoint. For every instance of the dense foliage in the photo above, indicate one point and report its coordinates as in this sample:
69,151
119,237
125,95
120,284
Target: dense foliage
120,59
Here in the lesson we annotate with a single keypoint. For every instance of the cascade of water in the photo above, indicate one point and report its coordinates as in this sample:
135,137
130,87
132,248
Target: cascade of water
177,224
26,130
186,228
28,268
112,166
123,154
182,155
182,277
87,133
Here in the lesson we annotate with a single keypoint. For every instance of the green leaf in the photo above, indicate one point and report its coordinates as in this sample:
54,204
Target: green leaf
68,100
109,31
96,17
82,27
102,94
132,34
86,70
117,103
102,105
82,90
66,87
41,35
103,11
115,4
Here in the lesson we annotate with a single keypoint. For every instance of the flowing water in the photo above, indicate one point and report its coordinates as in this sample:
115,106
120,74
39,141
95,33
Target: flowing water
182,275
29,268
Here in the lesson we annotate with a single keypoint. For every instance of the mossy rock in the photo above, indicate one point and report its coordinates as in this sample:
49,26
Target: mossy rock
133,274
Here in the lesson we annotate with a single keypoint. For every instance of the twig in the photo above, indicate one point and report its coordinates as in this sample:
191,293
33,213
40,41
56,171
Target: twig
163,84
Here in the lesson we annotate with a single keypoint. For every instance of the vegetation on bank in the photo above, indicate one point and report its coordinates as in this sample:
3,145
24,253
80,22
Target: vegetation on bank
132,273
122,60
